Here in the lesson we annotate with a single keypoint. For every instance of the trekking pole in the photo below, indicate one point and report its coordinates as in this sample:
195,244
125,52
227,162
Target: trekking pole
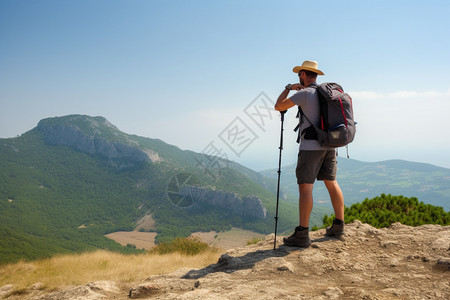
279,173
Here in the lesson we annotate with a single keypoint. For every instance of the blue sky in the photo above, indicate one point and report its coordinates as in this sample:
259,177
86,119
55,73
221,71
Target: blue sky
191,72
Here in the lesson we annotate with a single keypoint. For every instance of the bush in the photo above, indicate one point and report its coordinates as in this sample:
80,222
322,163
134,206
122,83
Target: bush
384,210
254,241
188,246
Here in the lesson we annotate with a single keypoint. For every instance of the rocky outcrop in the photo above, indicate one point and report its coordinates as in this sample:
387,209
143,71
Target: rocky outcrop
249,206
87,135
399,262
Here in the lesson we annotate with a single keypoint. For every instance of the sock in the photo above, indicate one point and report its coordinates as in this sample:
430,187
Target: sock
338,222
302,228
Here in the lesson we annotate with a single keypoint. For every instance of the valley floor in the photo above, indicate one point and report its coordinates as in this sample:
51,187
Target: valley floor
223,240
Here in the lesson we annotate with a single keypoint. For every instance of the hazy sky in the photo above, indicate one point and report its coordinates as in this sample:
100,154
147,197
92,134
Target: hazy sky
202,74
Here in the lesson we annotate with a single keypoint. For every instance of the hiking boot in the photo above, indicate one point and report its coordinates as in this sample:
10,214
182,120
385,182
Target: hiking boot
300,238
335,230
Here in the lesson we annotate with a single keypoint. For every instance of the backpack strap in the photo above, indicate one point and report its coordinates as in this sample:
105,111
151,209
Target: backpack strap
300,115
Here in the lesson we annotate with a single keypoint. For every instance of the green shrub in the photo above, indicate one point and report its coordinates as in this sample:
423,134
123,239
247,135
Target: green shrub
255,240
384,210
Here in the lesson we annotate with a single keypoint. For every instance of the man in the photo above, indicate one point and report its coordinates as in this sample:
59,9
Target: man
314,161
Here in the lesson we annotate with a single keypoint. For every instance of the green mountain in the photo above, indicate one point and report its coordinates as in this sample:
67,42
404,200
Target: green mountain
360,180
73,179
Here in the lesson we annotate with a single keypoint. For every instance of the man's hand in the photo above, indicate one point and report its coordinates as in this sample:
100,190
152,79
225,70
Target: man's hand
297,86
283,102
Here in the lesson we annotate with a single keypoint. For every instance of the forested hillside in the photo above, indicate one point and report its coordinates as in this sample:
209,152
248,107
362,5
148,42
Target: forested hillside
54,200
73,179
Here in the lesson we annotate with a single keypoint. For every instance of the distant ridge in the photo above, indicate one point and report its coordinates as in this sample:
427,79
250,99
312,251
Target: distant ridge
360,180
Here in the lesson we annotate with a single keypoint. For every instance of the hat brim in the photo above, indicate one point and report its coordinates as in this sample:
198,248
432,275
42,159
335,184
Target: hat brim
300,68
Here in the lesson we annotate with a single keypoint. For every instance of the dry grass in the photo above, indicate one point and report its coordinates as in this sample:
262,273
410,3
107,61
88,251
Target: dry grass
99,265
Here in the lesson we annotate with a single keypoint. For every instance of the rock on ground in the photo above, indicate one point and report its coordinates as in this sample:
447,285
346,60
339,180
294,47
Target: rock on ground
399,262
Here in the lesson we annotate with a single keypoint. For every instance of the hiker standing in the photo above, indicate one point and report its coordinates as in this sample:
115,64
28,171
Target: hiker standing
314,161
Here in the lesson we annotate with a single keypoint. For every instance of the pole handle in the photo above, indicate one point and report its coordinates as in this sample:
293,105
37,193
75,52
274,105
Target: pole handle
282,115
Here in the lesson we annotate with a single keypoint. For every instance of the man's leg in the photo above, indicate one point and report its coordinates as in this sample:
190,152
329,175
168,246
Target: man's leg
306,172
300,237
337,198
305,203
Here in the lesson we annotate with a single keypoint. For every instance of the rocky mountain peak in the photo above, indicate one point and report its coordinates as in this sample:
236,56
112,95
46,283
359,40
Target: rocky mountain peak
89,125
92,135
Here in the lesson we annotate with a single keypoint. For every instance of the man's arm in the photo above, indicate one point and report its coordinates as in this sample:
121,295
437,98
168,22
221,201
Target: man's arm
283,102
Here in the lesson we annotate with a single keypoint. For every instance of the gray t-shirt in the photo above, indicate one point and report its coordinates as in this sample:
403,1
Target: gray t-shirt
308,100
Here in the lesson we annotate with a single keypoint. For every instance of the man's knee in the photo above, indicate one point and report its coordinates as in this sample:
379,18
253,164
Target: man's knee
305,188
331,184
333,189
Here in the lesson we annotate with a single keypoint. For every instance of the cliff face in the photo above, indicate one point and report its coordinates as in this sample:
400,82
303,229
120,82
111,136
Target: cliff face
94,136
249,206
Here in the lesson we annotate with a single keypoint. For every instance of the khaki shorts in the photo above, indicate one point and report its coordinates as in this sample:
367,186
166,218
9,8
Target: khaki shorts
312,164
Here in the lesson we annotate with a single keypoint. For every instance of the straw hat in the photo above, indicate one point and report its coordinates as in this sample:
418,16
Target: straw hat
308,65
